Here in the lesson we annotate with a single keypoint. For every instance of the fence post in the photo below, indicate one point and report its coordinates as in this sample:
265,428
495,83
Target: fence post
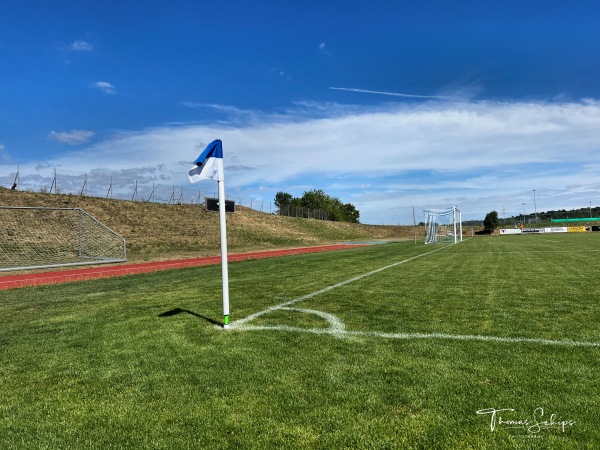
109,188
53,185
80,233
83,189
16,182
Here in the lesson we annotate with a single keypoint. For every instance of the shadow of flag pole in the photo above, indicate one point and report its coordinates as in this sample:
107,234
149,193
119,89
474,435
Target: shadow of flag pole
209,165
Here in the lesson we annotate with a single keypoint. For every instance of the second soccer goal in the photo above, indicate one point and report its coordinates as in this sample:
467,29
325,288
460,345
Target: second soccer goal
443,226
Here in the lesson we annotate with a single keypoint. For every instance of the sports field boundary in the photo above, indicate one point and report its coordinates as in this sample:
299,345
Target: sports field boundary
65,276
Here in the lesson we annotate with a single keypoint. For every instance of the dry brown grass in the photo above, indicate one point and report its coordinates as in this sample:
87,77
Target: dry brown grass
156,231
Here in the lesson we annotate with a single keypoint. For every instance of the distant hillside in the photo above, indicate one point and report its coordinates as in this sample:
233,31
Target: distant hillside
156,231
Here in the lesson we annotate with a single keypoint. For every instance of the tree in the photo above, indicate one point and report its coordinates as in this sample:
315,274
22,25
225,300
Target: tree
317,200
491,221
352,214
282,199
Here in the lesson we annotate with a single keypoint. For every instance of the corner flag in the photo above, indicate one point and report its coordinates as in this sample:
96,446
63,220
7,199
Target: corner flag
209,165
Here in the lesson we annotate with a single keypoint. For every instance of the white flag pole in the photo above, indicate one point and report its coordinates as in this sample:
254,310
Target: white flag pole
209,165
224,270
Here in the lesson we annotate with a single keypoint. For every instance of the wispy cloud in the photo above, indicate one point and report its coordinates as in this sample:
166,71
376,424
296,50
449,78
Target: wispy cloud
74,137
3,153
232,112
323,49
393,94
105,87
81,46
278,73
215,106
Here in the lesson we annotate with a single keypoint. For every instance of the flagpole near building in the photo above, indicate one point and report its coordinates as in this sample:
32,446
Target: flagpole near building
209,165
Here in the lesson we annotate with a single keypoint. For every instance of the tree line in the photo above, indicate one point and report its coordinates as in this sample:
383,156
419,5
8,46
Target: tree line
316,199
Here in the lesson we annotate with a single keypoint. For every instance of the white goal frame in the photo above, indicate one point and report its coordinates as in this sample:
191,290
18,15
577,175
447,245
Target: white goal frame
42,237
443,226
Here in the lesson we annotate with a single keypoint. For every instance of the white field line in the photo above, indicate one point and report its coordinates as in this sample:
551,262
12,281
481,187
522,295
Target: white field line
241,322
407,336
337,329
336,326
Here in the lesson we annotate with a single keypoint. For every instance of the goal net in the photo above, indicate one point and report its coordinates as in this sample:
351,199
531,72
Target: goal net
32,238
443,226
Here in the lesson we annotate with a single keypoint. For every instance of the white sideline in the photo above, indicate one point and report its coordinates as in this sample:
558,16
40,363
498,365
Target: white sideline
337,328
407,336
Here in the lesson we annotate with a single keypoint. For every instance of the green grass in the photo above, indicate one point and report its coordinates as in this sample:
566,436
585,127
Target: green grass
137,361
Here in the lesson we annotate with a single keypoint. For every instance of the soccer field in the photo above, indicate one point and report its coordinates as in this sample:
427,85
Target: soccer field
490,343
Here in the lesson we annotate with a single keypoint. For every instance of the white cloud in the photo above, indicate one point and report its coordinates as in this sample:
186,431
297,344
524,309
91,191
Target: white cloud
81,46
3,153
323,49
218,107
105,87
479,155
74,137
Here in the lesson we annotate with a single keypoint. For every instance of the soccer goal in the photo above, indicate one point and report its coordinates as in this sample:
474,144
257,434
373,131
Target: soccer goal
32,238
443,226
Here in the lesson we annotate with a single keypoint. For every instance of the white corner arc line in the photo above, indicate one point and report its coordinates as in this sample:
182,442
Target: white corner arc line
336,326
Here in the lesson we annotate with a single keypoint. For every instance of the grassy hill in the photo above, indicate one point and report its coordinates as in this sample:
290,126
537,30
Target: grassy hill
156,231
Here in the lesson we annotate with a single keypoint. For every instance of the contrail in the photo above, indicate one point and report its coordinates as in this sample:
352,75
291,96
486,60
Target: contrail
391,94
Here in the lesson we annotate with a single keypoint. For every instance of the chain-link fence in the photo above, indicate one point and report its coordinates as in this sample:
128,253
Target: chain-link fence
299,211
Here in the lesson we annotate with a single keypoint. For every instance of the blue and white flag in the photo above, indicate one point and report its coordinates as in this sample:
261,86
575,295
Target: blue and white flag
209,165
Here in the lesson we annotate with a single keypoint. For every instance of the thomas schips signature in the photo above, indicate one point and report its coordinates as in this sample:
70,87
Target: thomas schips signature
538,422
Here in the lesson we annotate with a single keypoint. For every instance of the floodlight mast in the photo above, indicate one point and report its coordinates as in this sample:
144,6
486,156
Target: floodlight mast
535,207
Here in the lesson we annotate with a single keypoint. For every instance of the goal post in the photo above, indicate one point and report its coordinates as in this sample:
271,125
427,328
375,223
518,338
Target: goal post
37,237
443,226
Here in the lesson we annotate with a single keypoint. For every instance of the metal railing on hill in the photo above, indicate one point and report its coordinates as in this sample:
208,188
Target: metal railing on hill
307,213
104,185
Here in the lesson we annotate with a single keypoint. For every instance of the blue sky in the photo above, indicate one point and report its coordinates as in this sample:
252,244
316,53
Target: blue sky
384,104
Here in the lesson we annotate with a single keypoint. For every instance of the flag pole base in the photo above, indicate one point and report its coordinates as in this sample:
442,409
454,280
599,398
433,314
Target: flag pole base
226,322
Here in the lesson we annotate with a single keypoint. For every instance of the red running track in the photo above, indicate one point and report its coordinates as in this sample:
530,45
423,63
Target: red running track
64,276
